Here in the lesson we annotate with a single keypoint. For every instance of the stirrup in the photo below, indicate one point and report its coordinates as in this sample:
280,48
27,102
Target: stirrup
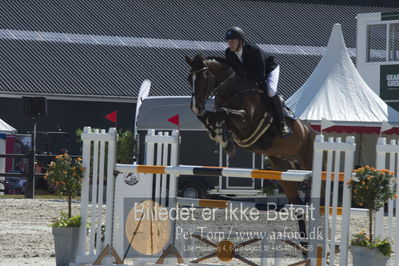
285,131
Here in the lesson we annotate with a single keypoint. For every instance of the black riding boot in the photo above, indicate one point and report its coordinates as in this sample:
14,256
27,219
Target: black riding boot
279,114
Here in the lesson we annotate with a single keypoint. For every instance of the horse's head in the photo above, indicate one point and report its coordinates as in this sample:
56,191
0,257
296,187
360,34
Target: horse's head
202,82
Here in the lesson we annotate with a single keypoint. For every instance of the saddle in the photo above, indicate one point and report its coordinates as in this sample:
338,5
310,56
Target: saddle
267,128
227,93
267,125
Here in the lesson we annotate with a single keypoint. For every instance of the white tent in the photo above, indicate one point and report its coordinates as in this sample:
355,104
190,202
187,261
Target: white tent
336,91
6,128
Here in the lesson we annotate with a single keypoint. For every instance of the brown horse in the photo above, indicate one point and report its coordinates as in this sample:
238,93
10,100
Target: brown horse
242,114
241,108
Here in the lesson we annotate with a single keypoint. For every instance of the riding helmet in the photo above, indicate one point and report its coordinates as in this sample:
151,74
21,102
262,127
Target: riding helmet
234,33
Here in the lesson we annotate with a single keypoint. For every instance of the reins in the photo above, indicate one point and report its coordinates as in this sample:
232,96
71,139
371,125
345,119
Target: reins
218,91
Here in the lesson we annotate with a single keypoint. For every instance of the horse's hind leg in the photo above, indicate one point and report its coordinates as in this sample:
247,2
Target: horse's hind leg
290,188
305,154
291,191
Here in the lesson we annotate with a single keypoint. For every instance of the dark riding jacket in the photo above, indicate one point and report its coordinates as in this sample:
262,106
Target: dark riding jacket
256,64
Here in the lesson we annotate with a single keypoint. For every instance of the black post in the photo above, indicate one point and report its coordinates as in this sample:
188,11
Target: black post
33,107
30,190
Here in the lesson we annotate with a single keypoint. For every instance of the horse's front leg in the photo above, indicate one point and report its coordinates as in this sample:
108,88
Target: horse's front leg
216,124
207,121
234,117
227,123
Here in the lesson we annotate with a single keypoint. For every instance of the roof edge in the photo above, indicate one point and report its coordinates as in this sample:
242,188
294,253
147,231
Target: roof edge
71,97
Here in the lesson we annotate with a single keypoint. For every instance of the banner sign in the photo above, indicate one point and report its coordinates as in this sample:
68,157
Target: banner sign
389,82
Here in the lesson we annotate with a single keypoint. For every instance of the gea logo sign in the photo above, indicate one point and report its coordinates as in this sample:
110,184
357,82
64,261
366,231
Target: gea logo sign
392,80
389,82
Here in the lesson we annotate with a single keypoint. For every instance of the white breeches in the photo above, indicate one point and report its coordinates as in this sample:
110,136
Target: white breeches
272,81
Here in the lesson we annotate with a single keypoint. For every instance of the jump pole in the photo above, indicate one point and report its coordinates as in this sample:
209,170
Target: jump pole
193,170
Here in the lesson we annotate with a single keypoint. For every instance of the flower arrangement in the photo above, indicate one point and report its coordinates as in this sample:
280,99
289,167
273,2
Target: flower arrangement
371,189
65,174
65,221
361,239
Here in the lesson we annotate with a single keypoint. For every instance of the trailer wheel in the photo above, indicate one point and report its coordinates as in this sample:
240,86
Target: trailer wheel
192,190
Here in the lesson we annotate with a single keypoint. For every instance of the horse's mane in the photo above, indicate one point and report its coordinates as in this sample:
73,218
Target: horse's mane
217,58
198,61
220,60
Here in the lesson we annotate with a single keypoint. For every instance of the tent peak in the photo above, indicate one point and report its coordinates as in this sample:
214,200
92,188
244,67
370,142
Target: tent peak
337,92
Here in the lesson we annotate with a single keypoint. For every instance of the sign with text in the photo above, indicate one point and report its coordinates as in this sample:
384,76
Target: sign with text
389,82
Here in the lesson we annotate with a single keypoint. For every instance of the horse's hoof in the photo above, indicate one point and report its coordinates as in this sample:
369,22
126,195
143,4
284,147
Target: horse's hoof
230,148
226,136
212,136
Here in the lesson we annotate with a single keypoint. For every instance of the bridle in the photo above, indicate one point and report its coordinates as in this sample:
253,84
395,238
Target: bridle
199,70
210,91
194,74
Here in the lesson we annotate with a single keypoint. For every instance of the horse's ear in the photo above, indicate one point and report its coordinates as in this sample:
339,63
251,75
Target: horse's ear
189,61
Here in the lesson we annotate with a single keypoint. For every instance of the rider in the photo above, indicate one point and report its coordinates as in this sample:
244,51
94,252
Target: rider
249,61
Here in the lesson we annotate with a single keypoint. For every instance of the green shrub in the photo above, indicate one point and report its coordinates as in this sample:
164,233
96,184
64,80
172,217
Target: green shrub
372,188
65,174
65,221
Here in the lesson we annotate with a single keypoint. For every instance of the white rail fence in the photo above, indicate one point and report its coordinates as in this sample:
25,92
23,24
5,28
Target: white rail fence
99,152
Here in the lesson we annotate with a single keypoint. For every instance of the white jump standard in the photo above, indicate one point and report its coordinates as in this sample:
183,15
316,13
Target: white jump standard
158,180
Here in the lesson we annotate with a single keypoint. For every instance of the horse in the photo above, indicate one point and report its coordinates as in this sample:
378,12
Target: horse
242,116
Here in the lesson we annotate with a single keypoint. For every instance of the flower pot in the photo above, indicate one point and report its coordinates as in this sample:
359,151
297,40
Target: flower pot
66,243
363,256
